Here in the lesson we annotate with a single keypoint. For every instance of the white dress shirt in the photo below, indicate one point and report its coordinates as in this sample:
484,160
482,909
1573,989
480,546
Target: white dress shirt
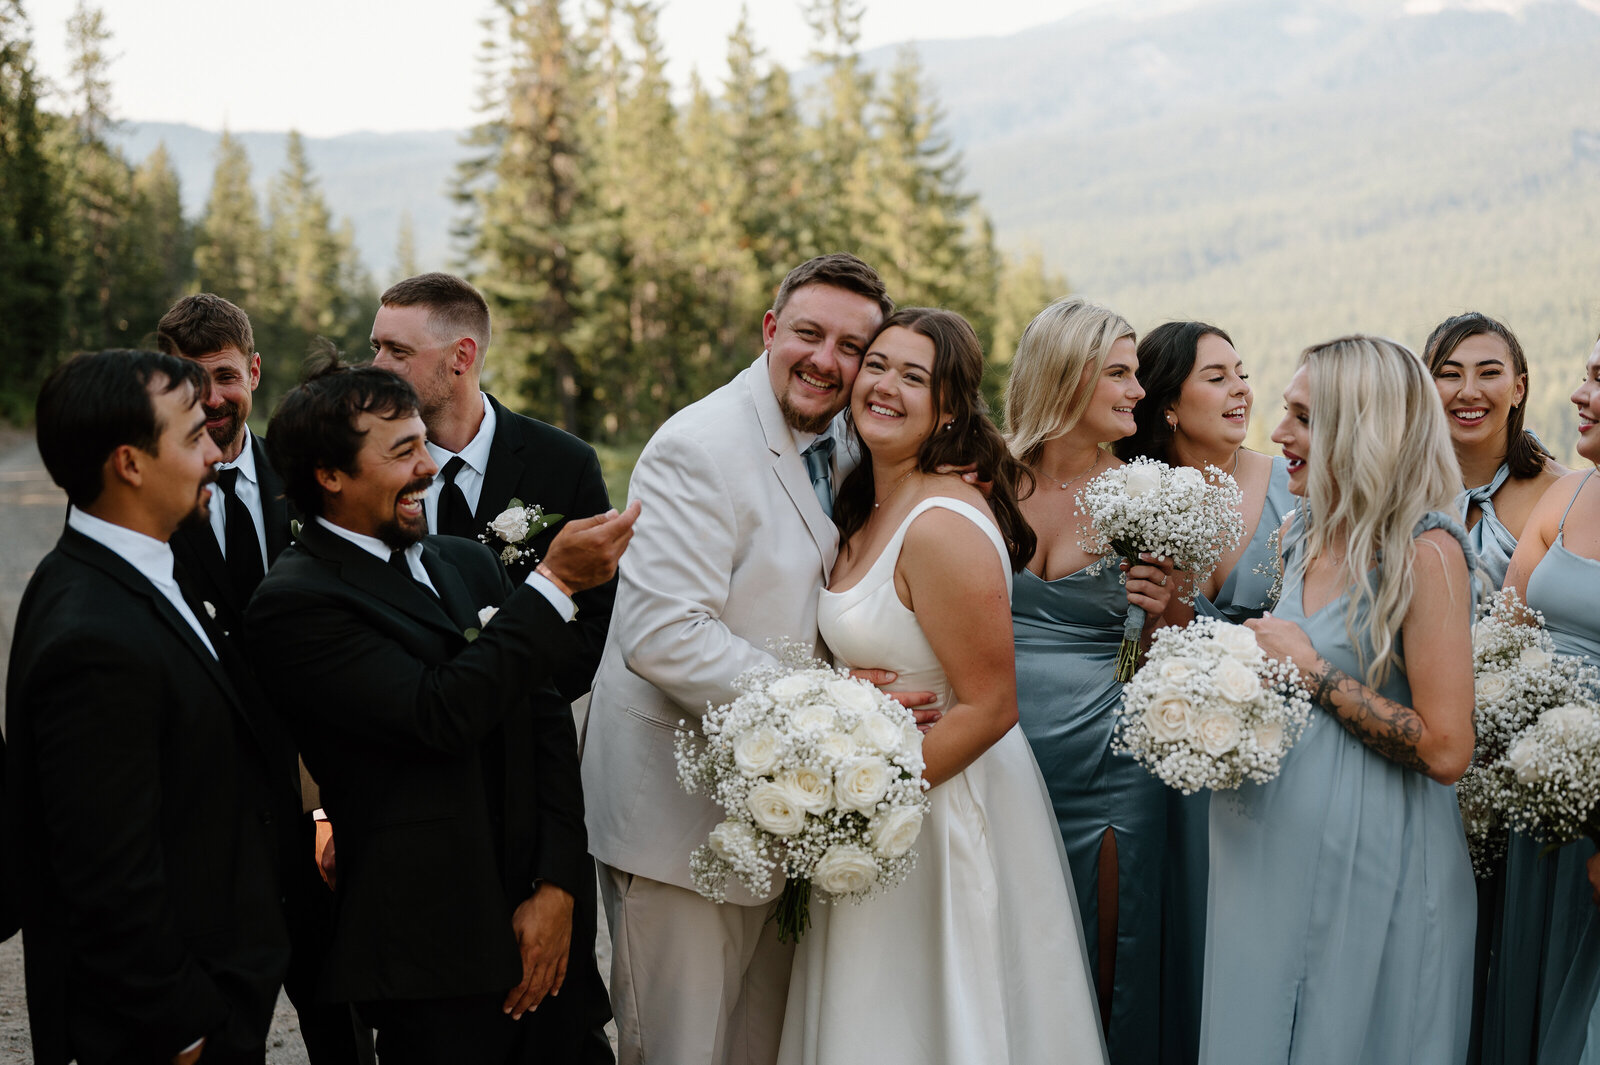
470,478
248,489
151,557
378,549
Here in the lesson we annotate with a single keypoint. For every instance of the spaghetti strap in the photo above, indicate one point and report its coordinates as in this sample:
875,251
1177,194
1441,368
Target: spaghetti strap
1562,527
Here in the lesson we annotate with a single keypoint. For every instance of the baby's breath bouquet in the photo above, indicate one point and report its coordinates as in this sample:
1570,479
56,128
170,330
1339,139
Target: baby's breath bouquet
1517,676
1210,709
1548,783
1178,513
820,776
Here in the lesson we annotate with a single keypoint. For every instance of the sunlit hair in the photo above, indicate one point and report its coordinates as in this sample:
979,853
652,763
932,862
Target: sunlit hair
455,308
964,435
1380,459
1167,355
1524,454
1053,373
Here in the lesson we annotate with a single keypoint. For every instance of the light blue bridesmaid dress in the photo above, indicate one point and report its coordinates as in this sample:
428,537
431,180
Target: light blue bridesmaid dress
1544,976
1247,592
1341,904
1067,635
1491,540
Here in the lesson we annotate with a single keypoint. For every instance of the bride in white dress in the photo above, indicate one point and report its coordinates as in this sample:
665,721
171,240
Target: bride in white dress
977,956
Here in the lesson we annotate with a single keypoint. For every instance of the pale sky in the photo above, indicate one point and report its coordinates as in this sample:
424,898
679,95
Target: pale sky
327,67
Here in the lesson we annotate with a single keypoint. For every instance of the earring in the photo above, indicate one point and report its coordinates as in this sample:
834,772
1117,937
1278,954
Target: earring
949,425
458,373
1172,420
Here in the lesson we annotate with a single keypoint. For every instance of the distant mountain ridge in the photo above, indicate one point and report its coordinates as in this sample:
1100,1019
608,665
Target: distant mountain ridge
1289,168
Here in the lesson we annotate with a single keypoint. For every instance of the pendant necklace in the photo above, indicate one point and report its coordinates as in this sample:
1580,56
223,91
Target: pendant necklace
1068,484
894,488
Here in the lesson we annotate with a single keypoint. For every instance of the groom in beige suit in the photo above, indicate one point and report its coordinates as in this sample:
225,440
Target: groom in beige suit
735,543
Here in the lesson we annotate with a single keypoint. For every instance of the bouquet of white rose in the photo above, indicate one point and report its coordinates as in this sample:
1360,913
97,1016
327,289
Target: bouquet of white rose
819,774
1210,709
1548,783
1517,676
1178,513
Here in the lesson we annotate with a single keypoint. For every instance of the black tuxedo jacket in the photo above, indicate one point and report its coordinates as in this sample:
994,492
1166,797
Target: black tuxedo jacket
538,463
196,549
447,765
147,791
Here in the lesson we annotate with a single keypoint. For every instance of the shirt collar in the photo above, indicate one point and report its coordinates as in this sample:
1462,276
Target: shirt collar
151,557
246,462
476,453
370,544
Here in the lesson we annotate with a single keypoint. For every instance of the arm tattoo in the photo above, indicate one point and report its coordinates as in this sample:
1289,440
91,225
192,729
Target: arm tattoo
1390,729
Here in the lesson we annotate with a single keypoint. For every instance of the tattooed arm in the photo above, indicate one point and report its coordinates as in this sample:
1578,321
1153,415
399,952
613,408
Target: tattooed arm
1434,734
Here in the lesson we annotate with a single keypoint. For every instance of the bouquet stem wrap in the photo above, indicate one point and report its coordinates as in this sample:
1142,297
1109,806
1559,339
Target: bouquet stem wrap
792,911
1132,628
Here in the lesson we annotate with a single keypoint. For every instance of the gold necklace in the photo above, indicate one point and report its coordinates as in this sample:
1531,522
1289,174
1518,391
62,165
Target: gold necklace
1068,484
894,488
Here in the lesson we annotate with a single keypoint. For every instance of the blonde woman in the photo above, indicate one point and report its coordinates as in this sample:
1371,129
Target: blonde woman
1341,903
1073,388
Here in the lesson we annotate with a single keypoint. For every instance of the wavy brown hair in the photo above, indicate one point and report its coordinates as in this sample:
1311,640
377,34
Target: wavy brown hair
965,437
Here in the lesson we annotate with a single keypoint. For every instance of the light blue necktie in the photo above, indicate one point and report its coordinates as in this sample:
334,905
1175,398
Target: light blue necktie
819,463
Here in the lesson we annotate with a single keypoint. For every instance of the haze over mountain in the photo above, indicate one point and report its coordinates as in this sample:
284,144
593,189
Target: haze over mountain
1290,170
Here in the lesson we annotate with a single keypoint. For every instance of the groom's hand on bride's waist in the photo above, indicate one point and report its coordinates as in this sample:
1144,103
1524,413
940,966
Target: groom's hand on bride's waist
919,703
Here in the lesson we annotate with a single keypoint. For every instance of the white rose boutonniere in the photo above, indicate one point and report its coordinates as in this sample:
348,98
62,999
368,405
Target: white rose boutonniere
512,528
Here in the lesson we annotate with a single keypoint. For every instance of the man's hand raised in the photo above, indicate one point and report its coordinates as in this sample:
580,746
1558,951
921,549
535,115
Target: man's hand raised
585,552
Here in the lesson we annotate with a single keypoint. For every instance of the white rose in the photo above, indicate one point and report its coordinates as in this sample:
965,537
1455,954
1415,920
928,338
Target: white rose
838,746
1236,682
774,809
814,717
1480,636
1167,716
861,783
1239,642
1218,732
1569,716
893,831
1493,686
511,525
845,869
1535,658
1141,478
1269,737
854,695
486,613
1179,669
811,789
1186,483
1522,758
731,839
877,732
791,687
756,752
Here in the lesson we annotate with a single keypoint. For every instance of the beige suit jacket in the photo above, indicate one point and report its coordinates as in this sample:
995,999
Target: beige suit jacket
729,553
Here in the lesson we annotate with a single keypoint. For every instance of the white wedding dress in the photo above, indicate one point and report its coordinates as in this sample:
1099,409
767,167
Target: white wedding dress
976,958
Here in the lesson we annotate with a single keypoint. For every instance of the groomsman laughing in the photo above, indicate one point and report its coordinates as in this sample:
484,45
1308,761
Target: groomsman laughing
418,679
226,558
146,782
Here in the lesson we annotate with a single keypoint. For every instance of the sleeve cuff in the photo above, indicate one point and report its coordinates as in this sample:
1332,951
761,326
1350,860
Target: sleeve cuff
558,599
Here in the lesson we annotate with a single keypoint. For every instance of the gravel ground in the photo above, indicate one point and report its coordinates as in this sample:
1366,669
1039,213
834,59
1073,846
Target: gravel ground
32,510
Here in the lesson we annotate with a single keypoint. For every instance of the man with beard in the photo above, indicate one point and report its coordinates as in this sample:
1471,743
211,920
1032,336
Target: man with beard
145,779
225,559
735,546
428,723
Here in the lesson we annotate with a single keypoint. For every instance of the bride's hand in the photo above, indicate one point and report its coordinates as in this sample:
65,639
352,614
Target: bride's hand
916,702
1150,583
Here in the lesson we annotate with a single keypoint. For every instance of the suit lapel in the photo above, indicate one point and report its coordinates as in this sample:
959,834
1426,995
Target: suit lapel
506,467
453,593
366,572
789,468
274,504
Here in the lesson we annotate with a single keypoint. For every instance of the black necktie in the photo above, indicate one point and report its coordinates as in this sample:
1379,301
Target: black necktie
455,519
240,542
398,562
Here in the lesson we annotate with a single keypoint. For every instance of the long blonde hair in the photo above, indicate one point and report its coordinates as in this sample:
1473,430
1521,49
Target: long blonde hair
1053,372
1380,459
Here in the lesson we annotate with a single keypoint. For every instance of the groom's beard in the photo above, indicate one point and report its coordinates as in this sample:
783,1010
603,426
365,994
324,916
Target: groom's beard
397,535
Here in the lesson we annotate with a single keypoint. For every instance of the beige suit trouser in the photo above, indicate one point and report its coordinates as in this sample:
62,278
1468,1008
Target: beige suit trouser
693,982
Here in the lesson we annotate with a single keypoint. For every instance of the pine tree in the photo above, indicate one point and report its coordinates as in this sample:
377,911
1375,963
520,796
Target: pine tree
160,245
839,179
30,224
230,247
